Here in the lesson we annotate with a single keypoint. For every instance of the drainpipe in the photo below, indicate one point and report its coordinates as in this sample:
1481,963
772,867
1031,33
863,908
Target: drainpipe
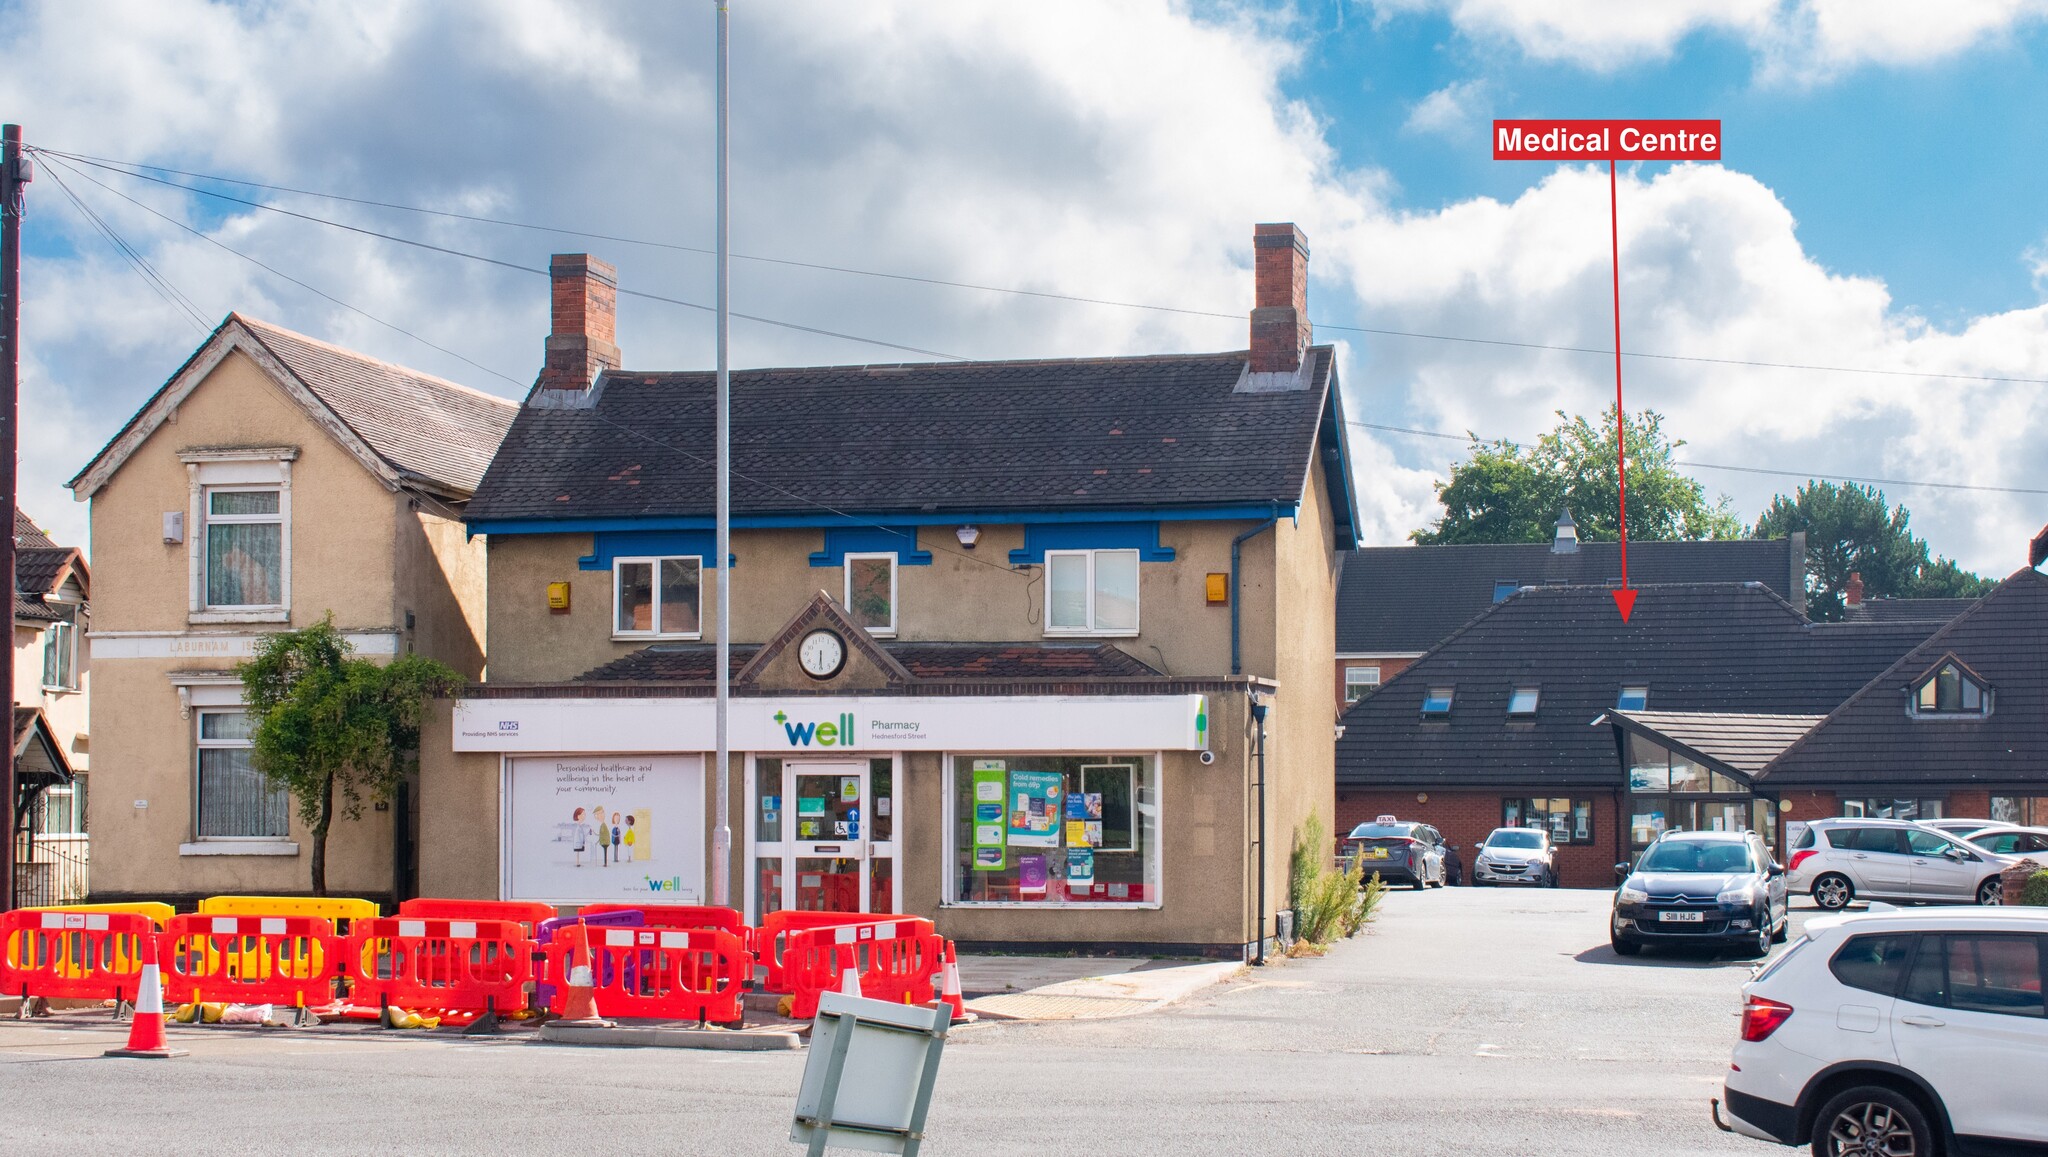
1259,721
1236,593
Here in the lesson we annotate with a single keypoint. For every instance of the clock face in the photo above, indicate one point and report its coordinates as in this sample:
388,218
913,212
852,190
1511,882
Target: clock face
822,653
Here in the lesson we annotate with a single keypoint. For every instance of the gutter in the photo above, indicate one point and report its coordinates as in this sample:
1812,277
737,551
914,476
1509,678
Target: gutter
1237,589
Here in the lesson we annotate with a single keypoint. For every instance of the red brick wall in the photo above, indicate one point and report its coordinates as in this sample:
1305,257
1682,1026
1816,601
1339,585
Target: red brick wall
1968,805
1467,817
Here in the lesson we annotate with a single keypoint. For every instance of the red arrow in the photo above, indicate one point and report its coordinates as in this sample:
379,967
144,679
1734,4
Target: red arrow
1624,599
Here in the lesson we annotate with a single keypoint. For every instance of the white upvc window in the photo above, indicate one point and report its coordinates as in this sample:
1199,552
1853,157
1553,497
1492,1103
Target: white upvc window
234,801
658,597
1091,592
1360,681
60,657
871,592
238,534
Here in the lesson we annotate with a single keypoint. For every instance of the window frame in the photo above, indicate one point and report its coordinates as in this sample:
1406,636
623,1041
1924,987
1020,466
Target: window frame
1370,687
1519,808
653,563
1146,802
1449,698
1535,695
67,676
1505,589
846,566
200,745
203,545
1966,682
1093,629
1622,697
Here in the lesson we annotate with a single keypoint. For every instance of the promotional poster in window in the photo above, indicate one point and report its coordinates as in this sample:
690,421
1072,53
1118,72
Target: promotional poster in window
605,828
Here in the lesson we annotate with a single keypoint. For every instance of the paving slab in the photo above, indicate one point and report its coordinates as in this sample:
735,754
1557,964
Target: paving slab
1082,987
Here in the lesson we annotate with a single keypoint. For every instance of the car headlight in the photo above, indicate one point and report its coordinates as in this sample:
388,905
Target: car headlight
1743,895
1629,895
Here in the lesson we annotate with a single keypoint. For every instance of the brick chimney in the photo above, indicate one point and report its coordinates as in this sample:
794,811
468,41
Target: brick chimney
1853,593
583,307
1280,332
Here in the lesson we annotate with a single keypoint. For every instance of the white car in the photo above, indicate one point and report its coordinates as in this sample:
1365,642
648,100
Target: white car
1839,860
1515,856
1898,1033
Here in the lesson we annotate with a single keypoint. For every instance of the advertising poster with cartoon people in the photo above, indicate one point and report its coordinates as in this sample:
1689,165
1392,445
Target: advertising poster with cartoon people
585,828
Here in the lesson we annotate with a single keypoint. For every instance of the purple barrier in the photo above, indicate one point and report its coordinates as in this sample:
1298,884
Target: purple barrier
544,934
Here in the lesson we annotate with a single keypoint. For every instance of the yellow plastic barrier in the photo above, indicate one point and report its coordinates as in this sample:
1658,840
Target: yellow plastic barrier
335,908
158,913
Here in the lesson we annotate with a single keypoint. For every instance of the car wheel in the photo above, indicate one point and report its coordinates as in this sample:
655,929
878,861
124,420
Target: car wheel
1784,931
1623,946
1761,946
1833,892
1991,891
1871,1120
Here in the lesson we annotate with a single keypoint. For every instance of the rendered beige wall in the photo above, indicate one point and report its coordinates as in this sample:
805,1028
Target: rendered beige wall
66,711
440,579
1301,745
960,597
458,801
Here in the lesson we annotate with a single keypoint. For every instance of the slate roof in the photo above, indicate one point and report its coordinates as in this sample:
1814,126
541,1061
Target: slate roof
1405,599
1728,741
432,429
39,568
1869,740
1068,435
1727,647
693,662
1906,610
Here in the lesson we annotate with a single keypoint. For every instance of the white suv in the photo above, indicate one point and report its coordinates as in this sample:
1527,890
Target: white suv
1898,1034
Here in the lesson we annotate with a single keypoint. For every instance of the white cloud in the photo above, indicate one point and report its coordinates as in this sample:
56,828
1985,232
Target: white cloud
1795,40
1110,151
1450,110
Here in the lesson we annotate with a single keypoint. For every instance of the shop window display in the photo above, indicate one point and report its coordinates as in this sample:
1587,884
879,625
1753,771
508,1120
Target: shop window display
1054,830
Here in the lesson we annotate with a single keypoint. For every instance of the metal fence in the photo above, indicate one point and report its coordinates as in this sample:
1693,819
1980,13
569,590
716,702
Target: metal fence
51,870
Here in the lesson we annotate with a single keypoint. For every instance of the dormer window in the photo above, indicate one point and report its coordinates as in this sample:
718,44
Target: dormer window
1950,690
1436,702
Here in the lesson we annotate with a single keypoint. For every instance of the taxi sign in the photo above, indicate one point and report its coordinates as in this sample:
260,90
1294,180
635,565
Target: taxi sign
1385,820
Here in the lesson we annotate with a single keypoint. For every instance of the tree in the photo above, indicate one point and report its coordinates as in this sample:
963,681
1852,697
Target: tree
1850,530
328,722
1506,493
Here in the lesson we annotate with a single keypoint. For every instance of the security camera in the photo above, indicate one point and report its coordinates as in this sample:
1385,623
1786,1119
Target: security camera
1208,757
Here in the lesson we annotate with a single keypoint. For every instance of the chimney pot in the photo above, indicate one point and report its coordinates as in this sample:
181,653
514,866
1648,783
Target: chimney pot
583,305
1280,329
1853,593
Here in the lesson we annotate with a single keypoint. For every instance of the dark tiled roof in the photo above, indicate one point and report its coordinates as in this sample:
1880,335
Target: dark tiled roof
432,429
34,609
1095,433
1870,740
37,570
1407,598
1742,743
1907,610
1697,647
27,534
693,662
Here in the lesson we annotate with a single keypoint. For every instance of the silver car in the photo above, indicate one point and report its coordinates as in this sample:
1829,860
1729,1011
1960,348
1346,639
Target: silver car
1515,856
1839,860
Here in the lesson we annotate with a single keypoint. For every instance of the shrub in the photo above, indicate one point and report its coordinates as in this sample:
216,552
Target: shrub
2035,890
1329,903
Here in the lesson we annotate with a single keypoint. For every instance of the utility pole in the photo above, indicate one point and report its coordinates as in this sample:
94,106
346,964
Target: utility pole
721,830
14,173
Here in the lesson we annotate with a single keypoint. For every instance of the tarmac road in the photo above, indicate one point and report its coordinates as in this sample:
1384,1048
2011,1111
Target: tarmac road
1464,1022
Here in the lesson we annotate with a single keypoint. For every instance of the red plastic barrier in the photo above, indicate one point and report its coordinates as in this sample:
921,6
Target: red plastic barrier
771,939
693,917
527,912
73,955
658,973
288,960
458,965
899,961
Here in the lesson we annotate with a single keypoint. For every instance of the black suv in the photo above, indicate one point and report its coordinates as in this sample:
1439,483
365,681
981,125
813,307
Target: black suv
1705,888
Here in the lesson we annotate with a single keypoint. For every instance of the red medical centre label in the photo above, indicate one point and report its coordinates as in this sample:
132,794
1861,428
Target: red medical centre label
1607,140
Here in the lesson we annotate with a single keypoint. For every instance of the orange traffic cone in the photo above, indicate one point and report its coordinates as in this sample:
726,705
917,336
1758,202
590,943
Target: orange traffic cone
581,1006
950,995
146,1030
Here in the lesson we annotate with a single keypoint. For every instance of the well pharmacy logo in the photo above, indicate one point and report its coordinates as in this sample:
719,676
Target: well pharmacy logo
836,733
672,884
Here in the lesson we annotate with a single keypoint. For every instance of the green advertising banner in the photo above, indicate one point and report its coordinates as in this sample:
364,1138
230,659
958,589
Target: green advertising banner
990,781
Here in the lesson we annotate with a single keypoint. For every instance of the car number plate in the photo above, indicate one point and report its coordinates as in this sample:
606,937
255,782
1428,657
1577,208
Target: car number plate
1681,917
1377,854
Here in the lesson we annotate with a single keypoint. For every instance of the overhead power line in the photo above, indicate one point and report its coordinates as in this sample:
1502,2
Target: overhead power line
140,171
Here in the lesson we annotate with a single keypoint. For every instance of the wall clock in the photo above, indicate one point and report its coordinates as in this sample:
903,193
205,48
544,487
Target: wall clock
822,653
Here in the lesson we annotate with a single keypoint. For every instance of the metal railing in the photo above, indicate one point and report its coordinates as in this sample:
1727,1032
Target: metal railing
52,870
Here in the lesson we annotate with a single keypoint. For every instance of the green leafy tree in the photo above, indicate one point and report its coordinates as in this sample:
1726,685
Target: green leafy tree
328,723
1509,493
1850,530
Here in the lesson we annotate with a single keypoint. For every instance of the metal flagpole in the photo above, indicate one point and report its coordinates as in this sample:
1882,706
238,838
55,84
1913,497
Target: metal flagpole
721,831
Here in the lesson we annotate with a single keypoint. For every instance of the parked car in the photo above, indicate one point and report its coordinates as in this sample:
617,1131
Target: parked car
1899,1032
2012,840
1963,828
1400,851
1704,888
1515,856
1839,860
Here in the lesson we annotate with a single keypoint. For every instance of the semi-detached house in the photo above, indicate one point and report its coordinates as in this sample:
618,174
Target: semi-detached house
999,633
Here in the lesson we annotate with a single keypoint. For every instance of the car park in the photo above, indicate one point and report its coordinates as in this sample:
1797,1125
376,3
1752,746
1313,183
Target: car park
1701,889
1903,1033
1398,851
1839,860
1515,856
2012,840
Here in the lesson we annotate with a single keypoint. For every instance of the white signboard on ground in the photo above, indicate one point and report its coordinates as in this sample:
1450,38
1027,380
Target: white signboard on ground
580,829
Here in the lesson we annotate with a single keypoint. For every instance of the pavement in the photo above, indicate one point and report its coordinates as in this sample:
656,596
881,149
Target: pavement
1463,1021
1082,987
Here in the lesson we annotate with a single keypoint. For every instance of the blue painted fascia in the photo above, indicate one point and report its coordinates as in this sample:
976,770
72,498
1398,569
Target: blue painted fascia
900,541
1140,536
1260,511
608,545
